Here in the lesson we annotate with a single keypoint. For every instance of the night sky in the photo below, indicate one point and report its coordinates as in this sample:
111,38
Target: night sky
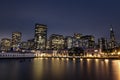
89,17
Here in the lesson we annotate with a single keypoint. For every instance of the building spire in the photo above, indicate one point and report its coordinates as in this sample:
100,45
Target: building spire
112,37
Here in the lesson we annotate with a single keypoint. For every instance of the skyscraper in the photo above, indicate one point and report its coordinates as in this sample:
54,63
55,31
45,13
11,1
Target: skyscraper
87,41
112,39
31,44
40,36
102,44
16,40
24,45
5,44
56,41
68,42
76,39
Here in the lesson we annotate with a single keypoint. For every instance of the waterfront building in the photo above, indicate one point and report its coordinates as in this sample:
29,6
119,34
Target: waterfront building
5,44
56,42
24,45
76,51
87,41
90,52
112,43
77,40
102,44
16,40
27,45
48,44
40,36
31,44
68,42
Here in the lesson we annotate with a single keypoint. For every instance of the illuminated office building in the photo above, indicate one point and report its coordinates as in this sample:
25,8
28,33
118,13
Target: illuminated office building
6,44
76,39
56,41
48,44
102,43
16,40
87,41
27,45
31,44
24,45
68,42
40,36
112,42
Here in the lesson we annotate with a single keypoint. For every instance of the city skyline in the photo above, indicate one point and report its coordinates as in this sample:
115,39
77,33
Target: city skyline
61,17
49,35
59,39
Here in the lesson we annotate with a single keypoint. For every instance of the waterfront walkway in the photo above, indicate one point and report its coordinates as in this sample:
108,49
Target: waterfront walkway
81,57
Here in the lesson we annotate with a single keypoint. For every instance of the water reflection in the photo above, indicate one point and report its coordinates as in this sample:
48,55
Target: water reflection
37,68
116,69
59,69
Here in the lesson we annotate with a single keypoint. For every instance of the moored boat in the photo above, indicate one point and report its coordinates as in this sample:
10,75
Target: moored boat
17,55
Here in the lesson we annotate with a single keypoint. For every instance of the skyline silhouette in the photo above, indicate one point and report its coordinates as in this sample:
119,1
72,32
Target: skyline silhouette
61,17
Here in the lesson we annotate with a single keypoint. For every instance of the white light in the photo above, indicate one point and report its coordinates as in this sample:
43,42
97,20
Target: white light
96,50
67,59
57,58
81,59
88,59
90,55
98,55
62,58
118,53
73,58
106,60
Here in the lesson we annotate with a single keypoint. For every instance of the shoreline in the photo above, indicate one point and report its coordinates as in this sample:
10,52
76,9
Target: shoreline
71,57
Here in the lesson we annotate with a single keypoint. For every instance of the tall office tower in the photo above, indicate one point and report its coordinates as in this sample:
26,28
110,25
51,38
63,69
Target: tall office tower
40,36
16,40
112,39
87,41
48,45
24,45
56,41
102,43
31,44
77,40
112,36
68,42
6,44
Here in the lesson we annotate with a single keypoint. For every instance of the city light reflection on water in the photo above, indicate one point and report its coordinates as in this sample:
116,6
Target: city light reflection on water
59,69
116,69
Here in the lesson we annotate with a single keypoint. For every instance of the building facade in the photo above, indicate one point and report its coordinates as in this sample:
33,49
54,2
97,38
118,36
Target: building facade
87,41
112,43
56,42
5,44
40,36
24,45
31,44
77,40
102,44
68,42
16,40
